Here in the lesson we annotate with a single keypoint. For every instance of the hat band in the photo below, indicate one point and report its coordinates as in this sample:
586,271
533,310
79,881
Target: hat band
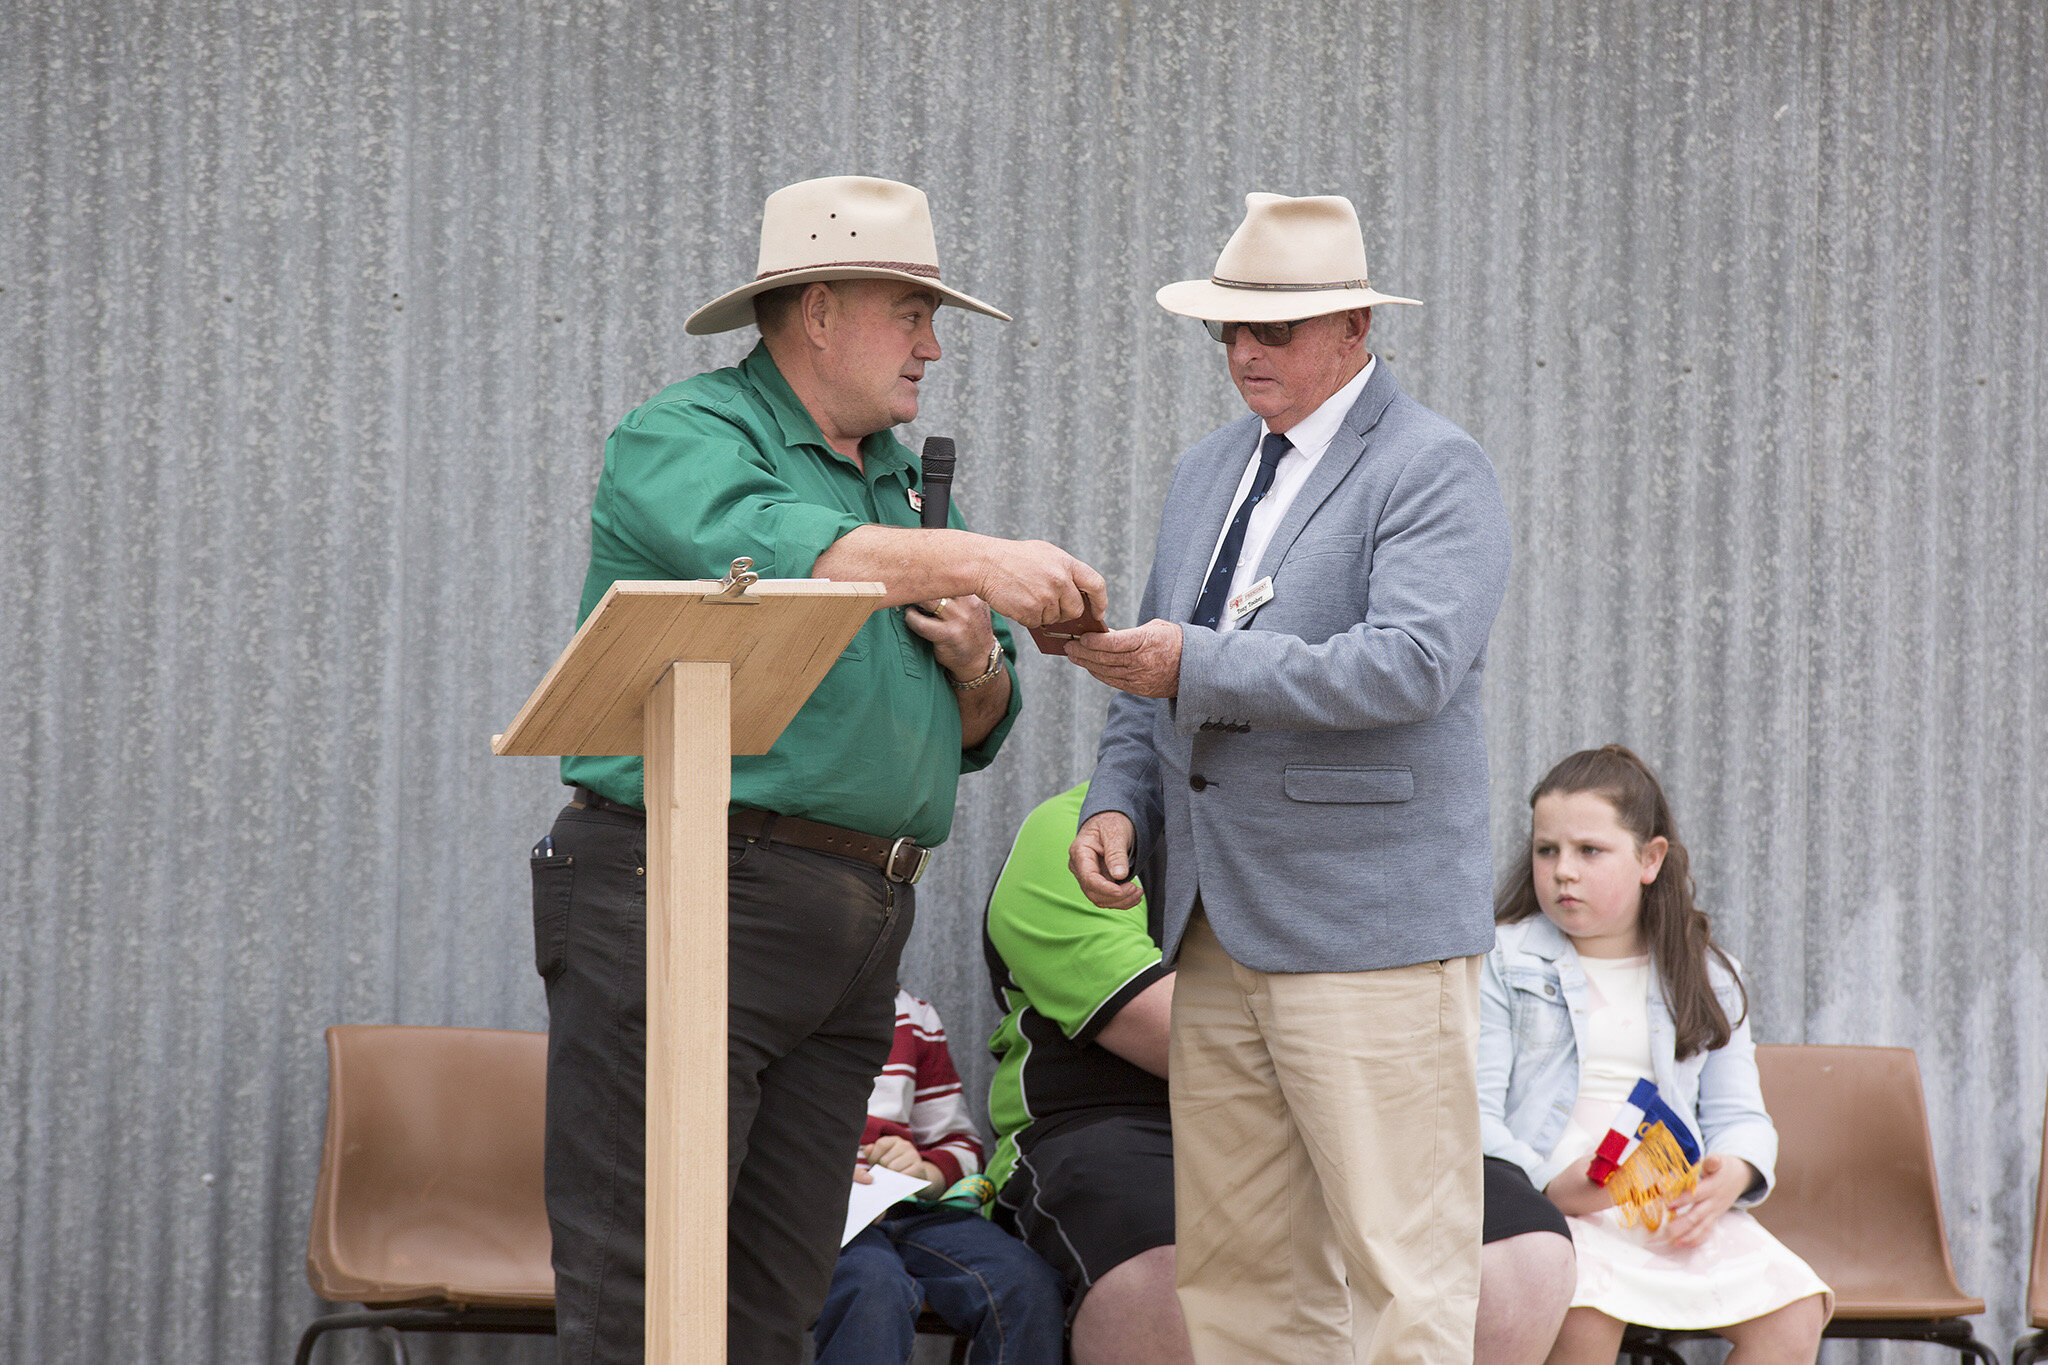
1289,288
929,272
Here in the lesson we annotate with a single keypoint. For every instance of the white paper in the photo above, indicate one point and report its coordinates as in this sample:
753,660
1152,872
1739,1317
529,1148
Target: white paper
866,1203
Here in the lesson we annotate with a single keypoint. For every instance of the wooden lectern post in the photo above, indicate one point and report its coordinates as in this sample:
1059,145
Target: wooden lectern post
687,675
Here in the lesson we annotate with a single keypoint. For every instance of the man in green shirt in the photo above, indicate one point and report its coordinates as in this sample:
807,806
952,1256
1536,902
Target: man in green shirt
787,458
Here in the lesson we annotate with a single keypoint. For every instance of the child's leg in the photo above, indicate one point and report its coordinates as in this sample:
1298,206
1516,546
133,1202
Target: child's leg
1783,1336
986,1283
870,1311
1588,1337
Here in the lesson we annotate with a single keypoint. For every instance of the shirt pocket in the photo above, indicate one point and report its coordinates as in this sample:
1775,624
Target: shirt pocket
857,648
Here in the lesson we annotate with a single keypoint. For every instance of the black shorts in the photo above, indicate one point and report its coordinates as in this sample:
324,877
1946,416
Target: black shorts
1514,1205
1089,1196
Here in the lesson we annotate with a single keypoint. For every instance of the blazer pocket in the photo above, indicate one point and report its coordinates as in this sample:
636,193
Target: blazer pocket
1313,546
1304,783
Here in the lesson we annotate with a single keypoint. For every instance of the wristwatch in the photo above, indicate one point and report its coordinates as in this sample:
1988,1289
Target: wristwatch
995,666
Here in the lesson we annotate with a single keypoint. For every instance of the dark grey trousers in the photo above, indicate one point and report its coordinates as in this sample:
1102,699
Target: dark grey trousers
814,942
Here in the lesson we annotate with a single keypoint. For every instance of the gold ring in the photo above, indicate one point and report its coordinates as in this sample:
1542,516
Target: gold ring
940,609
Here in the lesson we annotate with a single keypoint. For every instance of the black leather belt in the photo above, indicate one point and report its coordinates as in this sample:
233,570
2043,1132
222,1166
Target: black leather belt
899,860
590,800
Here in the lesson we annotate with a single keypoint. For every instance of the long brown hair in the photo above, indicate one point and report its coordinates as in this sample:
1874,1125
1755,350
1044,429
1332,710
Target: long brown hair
1676,929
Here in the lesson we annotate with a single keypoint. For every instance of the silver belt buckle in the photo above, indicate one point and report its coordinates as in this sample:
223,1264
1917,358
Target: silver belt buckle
924,860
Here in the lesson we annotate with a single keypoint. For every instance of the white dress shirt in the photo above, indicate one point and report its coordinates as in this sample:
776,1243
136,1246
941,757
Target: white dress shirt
1311,436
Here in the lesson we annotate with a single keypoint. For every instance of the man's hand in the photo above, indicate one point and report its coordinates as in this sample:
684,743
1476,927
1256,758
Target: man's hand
1100,858
1143,661
961,633
1723,1180
1036,583
897,1154
1574,1192
963,641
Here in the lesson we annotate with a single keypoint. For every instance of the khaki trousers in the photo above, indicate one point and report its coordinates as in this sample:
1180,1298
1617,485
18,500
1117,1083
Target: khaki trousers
1326,1133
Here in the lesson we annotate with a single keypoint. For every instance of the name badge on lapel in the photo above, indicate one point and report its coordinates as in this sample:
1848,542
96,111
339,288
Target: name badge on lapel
1251,599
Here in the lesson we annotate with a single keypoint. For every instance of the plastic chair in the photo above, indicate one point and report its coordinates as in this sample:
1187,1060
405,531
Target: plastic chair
1856,1197
429,1210
2031,1348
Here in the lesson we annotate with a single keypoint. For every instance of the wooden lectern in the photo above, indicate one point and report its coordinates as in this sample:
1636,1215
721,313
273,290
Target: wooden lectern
687,675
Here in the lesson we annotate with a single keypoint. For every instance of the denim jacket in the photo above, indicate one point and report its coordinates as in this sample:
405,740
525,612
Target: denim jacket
1533,1005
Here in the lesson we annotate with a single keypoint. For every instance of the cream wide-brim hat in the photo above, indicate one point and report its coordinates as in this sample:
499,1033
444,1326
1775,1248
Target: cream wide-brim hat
1288,259
843,227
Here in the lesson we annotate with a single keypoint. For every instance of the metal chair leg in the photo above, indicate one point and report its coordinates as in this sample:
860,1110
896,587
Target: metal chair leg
1970,1346
1640,1344
449,1318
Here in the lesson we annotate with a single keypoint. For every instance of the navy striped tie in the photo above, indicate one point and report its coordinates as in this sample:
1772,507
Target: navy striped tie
1210,608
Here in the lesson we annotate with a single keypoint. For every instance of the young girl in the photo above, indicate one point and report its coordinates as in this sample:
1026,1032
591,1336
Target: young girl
1615,980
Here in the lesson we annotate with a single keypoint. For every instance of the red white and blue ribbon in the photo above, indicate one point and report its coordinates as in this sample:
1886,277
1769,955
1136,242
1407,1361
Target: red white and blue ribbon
1644,1110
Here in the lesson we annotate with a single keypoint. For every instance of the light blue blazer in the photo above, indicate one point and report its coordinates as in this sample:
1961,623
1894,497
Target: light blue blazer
1532,1021
1321,777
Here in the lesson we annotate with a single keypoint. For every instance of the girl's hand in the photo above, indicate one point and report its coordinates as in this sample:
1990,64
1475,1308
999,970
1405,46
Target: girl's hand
1574,1192
1723,1179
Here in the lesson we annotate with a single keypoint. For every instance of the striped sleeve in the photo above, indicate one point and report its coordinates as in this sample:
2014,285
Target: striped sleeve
940,1124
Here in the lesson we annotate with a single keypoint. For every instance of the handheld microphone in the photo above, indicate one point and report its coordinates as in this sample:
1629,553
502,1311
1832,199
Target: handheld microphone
937,459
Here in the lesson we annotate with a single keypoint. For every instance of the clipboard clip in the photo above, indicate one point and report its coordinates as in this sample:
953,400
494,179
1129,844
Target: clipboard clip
732,589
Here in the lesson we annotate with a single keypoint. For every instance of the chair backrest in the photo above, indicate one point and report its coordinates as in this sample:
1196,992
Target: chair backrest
1855,1192
430,1179
2037,1266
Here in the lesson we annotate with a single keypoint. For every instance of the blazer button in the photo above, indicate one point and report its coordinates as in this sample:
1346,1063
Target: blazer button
1198,782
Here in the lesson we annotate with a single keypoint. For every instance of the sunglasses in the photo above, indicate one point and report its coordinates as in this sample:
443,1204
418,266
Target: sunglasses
1265,333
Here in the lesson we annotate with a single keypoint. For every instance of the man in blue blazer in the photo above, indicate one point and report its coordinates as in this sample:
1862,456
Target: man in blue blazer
1299,720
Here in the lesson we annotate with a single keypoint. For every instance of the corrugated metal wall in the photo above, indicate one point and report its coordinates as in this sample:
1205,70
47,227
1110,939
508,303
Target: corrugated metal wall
313,319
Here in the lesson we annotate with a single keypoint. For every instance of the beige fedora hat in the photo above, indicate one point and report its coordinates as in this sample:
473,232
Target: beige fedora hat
1289,258
843,227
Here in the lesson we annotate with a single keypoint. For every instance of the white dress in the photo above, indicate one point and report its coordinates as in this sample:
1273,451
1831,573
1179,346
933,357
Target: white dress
1738,1272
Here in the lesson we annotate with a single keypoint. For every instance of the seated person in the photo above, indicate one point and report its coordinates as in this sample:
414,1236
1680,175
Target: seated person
985,1283
1605,975
1084,1143
1083,1166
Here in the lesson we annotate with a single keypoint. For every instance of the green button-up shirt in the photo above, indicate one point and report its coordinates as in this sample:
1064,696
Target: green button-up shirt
728,464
